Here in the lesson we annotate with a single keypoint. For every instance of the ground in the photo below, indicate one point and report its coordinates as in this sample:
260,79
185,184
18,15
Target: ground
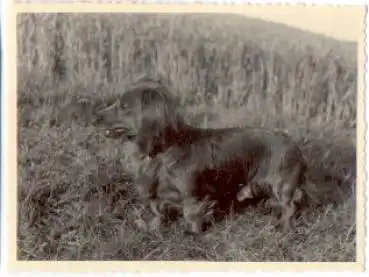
75,196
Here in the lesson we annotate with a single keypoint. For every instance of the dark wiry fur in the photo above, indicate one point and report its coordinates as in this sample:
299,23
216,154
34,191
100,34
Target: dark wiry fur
189,164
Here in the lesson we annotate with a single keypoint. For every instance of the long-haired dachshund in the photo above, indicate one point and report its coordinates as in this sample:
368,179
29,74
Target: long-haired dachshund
191,167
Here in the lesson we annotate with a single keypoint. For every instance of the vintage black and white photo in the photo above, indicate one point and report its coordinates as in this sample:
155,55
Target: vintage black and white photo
176,137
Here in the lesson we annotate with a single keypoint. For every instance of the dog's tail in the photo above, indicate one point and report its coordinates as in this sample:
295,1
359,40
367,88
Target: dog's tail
320,189
310,188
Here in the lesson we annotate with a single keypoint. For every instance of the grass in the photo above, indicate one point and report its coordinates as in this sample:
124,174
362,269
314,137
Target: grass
75,200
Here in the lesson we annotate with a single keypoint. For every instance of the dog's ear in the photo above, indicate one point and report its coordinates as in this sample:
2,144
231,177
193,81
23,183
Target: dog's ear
154,123
151,134
147,98
159,115
153,109
152,96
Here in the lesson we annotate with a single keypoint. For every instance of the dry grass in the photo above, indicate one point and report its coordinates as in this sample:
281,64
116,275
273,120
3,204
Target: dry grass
75,198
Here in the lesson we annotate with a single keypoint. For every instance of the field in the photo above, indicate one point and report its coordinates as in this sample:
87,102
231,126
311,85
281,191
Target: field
75,200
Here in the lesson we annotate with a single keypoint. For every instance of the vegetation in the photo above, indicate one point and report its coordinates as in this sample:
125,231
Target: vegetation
75,197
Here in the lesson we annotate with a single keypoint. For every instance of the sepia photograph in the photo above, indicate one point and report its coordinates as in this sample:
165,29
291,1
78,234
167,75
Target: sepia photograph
184,137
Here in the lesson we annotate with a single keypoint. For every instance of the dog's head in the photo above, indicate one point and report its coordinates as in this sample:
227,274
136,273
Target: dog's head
122,117
143,113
